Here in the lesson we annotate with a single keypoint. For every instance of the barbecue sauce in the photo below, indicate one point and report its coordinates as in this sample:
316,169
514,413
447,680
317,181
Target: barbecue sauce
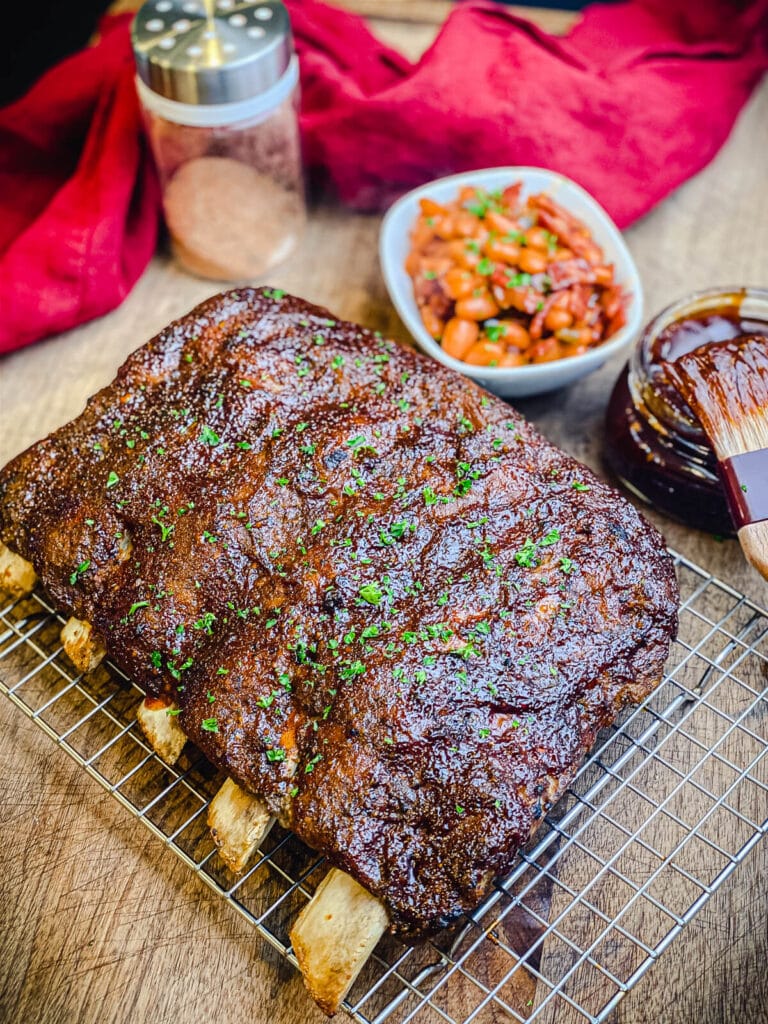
654,443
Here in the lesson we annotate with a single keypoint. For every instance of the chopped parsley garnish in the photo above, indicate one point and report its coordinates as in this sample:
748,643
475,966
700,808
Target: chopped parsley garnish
75,576
209,725
135,607
395,532
176,672
165,531
577,485
359,445
494,332
371,593
205,622
356,668
276,754
485,267
518,280
527,556
112,479
209,436
482,202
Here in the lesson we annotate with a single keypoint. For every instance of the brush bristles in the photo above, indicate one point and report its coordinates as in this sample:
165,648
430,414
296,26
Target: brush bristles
726,386
754,543
728,438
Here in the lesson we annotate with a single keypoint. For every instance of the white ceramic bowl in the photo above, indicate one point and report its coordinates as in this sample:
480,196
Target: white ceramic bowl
394,245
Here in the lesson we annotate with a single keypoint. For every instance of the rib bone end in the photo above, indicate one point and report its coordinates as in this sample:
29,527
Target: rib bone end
161,729
17,576
238,823
81,645
334,935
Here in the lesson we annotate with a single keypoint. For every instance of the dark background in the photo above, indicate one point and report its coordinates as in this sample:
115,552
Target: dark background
46,31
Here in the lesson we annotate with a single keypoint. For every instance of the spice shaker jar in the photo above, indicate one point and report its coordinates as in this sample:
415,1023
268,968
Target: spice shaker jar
218,84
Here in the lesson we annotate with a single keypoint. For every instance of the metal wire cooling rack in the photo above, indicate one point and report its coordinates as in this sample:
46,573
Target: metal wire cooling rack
672,799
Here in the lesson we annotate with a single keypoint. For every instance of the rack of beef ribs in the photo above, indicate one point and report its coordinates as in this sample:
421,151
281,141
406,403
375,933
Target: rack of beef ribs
385,607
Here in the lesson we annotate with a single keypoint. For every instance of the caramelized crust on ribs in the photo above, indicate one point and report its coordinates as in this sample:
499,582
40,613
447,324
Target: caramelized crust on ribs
380,600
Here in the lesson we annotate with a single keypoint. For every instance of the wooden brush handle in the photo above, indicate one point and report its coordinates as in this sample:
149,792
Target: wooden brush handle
745,482
754,543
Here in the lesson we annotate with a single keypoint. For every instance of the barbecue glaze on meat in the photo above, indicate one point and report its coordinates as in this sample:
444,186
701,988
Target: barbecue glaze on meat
380,599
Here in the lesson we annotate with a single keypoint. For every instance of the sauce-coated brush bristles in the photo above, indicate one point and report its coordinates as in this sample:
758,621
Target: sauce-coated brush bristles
726,386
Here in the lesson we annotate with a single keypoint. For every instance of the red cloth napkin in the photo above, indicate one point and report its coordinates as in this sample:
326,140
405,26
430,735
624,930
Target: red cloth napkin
638,97
79,201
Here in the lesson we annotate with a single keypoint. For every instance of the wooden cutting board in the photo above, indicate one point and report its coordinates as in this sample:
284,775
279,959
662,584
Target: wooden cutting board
99,923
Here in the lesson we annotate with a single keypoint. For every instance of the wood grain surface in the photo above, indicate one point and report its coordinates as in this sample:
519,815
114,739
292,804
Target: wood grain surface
98,921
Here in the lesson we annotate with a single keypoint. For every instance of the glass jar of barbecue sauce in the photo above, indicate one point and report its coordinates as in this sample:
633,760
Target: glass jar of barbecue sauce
654,443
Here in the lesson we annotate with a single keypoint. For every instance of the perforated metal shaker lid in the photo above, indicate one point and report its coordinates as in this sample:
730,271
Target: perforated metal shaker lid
211,51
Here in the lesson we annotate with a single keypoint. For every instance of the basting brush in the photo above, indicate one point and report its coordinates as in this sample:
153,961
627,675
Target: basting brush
726,386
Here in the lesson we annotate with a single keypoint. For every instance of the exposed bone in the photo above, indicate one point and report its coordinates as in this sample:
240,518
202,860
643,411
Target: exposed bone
238,823
17,575
163,732
334,935
83,647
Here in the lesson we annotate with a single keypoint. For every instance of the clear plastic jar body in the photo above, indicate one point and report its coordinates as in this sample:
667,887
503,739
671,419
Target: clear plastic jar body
233,190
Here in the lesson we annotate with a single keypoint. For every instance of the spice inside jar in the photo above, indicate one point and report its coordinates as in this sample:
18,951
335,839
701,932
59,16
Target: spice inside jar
219,95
